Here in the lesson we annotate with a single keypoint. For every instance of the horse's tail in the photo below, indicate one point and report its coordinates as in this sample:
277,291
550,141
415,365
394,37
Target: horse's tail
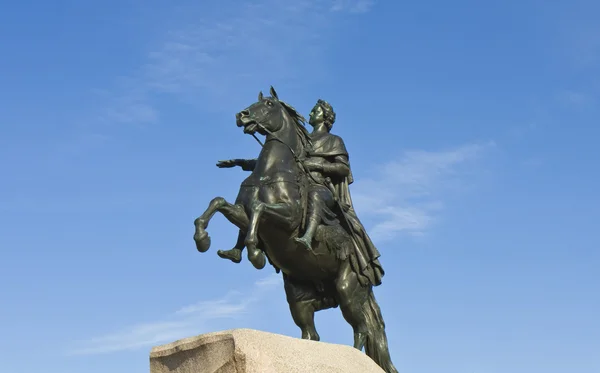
376,346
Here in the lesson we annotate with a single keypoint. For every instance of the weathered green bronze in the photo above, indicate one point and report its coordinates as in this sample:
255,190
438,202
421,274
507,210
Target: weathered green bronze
295,211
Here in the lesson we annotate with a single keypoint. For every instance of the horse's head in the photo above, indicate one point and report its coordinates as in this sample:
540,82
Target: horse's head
266,115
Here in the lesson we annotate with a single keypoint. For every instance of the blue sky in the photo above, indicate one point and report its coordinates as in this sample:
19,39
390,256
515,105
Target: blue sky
476,122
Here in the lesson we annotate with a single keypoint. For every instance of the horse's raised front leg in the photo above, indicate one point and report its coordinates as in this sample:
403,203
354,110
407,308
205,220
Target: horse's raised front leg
275,212
234,213
235,254
255,255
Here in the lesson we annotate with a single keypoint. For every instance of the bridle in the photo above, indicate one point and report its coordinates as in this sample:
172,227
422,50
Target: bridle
298,160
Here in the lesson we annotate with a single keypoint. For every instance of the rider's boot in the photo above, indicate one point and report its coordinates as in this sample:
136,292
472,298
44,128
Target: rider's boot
307,238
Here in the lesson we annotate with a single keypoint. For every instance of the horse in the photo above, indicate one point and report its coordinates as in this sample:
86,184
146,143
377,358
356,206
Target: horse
270,208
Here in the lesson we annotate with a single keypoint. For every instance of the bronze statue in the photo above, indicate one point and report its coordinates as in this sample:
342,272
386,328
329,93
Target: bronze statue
296,209
329,166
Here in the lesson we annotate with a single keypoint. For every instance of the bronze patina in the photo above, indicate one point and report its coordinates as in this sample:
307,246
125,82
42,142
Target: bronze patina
294,210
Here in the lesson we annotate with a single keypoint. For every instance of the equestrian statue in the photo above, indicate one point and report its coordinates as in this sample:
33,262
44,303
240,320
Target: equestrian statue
294,210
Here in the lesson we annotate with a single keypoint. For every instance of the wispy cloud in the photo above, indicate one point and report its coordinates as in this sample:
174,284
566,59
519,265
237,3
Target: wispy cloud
405,196
189,319
216,54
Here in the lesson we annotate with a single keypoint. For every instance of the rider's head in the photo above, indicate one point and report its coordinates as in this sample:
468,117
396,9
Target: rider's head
323,112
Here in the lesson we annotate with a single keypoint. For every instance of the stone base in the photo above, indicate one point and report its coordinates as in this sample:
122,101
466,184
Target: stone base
252,351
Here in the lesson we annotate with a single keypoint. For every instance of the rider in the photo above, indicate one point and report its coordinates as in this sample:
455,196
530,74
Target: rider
328,164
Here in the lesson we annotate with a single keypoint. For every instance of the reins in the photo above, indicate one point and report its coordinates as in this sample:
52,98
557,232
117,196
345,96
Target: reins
276,138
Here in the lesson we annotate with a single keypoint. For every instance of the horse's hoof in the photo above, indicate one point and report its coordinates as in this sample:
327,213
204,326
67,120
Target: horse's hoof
202,241
234,255
257,258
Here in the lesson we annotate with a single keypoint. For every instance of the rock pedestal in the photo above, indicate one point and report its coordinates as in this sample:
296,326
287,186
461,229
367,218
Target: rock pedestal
252,351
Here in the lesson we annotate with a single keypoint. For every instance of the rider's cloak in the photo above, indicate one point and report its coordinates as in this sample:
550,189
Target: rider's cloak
365,256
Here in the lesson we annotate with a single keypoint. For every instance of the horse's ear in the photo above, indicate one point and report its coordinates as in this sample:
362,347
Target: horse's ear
274,94
260,96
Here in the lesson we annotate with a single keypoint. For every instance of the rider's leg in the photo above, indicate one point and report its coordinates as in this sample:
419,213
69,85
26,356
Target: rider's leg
315,205
235,254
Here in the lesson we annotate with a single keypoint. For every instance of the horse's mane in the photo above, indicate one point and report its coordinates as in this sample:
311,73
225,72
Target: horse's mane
299,121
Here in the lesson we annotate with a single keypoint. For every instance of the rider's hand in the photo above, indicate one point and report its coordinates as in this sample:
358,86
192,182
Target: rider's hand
313,165
228,163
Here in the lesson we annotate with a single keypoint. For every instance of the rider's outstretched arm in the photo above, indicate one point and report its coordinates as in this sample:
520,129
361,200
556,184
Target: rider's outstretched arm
248,164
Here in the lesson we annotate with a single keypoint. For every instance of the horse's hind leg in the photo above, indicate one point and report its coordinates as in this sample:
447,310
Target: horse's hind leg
304,301
234,213
361,311
351,295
